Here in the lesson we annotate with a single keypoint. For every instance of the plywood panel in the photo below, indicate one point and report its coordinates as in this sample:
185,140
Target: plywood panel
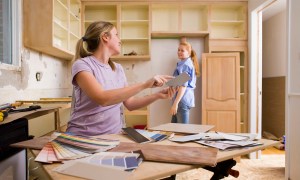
273,105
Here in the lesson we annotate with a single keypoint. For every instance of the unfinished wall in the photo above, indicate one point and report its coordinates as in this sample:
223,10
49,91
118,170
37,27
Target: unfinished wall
273,105
22,85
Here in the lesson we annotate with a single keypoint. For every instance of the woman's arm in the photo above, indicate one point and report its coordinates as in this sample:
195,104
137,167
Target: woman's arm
134,103
88,83
179,95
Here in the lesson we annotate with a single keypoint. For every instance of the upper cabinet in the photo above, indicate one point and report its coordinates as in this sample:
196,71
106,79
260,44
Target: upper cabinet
179,20
95,12
219,20
132,22
228,21
52,26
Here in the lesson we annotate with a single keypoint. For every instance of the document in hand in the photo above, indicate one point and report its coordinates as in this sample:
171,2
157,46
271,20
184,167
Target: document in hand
179,80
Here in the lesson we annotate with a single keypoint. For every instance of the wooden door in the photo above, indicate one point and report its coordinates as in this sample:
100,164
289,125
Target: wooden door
221,91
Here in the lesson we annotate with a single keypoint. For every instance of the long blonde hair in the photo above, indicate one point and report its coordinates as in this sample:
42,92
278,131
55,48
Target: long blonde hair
193,56
92,38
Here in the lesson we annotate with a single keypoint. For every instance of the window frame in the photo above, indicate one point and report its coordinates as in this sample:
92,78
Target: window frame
16,37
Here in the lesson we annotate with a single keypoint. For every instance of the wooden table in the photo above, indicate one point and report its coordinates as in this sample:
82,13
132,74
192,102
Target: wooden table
52,105
157,170
34,114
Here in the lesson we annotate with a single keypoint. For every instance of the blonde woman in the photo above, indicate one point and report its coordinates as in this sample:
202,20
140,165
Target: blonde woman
100,85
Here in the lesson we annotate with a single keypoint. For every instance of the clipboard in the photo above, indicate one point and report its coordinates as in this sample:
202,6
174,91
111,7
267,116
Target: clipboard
179,80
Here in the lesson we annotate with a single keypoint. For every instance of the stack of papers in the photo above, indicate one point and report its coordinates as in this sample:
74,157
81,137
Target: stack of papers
227,145
67,146
222,141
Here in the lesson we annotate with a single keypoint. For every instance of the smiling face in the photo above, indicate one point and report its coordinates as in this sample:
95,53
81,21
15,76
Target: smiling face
182,52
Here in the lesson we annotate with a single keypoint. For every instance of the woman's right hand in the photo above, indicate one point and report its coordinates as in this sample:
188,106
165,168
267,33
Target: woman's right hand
158,81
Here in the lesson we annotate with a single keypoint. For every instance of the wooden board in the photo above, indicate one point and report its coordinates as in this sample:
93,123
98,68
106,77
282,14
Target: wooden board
173,154
35,143
30,114
183,128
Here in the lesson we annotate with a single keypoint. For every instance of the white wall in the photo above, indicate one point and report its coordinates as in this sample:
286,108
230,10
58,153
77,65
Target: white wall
274,46
163,61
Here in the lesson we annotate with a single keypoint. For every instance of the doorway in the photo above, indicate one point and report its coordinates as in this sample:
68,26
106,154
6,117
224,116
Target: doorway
273,71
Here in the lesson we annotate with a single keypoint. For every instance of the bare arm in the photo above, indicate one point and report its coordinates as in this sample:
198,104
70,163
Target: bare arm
180,93
95,91
133,103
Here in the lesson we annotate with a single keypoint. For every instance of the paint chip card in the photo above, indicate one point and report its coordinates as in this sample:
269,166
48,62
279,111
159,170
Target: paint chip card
179,80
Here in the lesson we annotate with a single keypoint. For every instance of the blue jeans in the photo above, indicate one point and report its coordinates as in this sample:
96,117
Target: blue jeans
182,115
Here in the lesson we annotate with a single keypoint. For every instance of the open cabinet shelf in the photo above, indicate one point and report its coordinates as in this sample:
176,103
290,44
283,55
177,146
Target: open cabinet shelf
132,22
137,118
54,30
174,18
228,22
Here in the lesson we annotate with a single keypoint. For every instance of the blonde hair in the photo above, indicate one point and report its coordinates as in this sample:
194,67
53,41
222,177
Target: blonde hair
193,56
92,39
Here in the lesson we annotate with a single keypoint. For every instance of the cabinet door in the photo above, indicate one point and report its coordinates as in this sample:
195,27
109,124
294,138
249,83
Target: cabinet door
221,91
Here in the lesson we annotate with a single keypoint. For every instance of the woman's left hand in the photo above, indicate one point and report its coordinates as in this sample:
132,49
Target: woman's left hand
167,93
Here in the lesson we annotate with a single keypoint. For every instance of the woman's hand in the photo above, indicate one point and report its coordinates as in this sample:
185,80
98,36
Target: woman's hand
173,109
158,81
167,93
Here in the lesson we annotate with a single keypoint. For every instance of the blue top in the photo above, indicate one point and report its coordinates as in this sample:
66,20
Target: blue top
187,66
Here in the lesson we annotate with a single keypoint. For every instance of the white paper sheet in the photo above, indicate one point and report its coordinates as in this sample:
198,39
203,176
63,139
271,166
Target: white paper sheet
179,80
91,171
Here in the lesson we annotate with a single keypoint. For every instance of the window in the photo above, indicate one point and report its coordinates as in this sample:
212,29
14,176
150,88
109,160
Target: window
10,34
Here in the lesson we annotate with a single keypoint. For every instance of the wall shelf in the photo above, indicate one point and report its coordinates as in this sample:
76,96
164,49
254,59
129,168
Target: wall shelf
132,22
55,30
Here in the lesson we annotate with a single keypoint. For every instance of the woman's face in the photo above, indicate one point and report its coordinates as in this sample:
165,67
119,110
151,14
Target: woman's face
114,42
182,52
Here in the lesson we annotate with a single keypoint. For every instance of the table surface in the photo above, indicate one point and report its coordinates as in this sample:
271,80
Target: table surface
156,170
29,114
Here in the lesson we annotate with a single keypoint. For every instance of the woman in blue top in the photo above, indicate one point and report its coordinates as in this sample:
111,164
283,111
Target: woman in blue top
184,99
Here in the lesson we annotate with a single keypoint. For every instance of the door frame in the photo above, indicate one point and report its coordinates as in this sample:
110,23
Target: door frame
255,70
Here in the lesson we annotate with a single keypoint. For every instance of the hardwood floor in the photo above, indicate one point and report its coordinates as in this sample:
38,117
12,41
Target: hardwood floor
272,150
